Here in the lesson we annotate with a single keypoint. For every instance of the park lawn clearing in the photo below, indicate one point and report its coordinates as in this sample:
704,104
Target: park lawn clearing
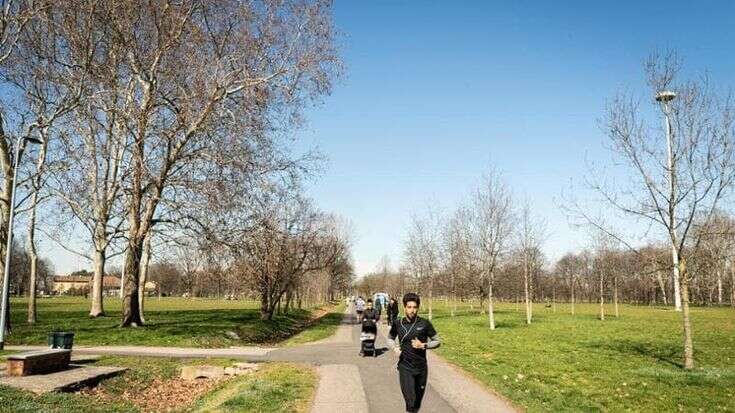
579,363
323,327
171,322
276,387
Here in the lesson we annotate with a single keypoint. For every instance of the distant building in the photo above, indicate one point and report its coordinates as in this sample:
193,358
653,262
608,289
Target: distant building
68,284
78,285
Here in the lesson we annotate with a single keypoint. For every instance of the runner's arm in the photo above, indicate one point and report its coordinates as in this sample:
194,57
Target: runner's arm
433,342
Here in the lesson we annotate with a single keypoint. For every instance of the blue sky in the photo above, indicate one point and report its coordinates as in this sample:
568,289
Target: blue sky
437,92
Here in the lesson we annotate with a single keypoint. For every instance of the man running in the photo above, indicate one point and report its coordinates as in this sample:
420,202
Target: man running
410,337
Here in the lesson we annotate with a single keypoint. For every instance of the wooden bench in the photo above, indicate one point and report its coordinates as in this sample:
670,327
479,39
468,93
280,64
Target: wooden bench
38,362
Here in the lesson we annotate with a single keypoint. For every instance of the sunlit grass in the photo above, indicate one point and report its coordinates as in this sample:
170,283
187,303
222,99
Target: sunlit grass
277,387
169,322
578,363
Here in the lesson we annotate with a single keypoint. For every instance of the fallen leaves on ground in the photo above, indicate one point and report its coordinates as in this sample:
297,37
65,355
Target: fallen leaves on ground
161,395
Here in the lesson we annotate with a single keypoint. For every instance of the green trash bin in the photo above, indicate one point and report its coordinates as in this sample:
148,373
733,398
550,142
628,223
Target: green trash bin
61,339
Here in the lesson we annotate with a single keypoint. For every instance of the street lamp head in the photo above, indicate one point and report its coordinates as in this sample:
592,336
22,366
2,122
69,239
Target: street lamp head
665,96
34,140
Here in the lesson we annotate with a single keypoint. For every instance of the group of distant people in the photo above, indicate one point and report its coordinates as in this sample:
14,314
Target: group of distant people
409,336
372,310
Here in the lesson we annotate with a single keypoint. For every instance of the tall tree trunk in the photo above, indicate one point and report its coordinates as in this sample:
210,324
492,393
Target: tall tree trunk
33,256
732,286
97,307
553,298
131,310
122,281
145,262
677,279
266,311
454,297
719,287
662,285
32,288
36,183
431,296
602,295
490,309
687,324
526,290
572,295
615,296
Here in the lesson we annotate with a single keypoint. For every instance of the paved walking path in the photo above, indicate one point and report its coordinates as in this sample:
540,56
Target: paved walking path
348,382
449,389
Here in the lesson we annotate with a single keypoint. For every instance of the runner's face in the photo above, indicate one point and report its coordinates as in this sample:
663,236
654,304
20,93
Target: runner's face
411,309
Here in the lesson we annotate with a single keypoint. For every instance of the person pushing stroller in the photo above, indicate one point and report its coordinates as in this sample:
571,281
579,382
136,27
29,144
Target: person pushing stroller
369,329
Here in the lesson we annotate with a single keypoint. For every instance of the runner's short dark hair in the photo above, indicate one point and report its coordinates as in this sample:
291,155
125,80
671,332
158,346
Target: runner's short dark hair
370,300
411,297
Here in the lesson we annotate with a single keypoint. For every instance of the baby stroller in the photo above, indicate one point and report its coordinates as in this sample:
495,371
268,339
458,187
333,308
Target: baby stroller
367,337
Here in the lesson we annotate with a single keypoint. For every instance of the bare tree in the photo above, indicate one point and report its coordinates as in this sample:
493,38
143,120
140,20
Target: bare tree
530,239
195,77
423,249
491,223
677,185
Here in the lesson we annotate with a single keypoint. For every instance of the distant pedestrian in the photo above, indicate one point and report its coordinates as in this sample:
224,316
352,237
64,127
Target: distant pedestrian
410,337
359,308
392,311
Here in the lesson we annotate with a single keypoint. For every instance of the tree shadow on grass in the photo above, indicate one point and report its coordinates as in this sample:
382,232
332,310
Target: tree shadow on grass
178,327
665,353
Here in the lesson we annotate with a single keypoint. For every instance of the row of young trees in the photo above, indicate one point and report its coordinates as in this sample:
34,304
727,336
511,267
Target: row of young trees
166,124
671,195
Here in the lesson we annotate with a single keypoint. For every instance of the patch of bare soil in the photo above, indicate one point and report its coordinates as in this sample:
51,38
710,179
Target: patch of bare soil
161,395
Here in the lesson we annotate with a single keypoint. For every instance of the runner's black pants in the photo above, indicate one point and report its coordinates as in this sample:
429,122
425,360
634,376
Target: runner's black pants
413,386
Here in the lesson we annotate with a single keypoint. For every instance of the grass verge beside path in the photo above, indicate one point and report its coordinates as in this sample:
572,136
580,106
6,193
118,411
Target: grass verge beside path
579,363
277,387
152,385
173,322
322,328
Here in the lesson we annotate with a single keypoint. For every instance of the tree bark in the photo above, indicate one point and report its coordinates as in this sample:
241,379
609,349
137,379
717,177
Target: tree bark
663,287
266,313
131,310
97,308
719,287
615,296
490,310
431,296
602,296
32,288
677,279
145,262
572,295
687,324
526,289
33,255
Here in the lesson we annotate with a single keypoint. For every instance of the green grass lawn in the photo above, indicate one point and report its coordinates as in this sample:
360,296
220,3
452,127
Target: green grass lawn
579,363
276,387
169,322
321,328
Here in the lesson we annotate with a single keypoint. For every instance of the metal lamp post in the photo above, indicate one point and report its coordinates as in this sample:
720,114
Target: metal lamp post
664,98
20,146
